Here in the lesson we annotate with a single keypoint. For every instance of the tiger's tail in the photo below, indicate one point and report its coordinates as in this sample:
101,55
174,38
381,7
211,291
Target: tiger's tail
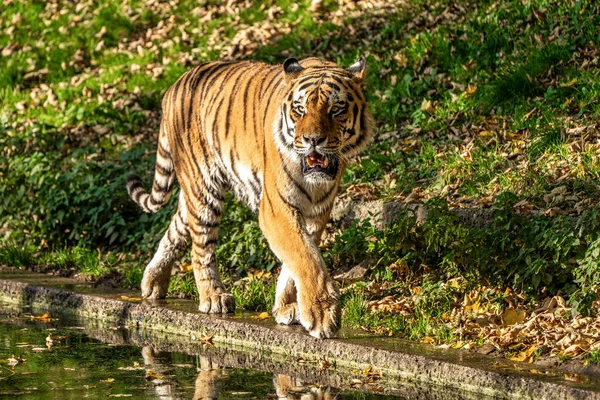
164,178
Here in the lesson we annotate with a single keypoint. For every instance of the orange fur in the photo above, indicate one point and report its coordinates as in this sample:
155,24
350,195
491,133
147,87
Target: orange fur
280,139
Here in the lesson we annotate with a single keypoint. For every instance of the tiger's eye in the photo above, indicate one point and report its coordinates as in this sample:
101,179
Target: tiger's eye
300,110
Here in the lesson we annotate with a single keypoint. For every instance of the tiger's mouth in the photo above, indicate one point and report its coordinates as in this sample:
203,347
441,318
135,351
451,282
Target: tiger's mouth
320,163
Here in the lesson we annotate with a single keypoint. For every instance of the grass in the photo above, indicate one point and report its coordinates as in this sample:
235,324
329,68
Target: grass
479,104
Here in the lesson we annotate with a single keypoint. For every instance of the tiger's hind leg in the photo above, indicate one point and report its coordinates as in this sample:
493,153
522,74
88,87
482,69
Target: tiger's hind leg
285,309
204,211
157,274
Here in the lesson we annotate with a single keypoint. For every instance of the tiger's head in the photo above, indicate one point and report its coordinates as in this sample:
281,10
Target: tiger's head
324,118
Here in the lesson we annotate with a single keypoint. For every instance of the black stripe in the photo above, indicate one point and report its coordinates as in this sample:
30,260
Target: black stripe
356,144
204,246
169,238
235,174
214,193
323,211
220,92
158,189
289,174
162,171
232,97
201,221
216,125
162,152
184,233
326,195
292,206
245,101
270,83
270,203
269,102
333,86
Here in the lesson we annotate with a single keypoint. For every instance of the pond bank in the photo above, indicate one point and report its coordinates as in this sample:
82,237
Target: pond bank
403,368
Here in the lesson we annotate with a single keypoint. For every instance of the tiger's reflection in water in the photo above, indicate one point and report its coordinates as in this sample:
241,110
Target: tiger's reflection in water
211,375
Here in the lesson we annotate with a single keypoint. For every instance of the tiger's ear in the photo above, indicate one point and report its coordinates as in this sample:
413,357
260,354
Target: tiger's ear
291,69
359,69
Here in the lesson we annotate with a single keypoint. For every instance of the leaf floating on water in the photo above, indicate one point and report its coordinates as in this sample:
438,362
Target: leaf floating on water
43,318
127,298
261,316
151,375
39,349
207,339
183,365
14,361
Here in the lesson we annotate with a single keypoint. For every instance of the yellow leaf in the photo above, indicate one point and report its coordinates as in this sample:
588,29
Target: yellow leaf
262,316
570,83
44,318
512,316
185,267
109,380
127,298
525,356
428,340
151,375
487,133
416,290
427,106
470,90
454,282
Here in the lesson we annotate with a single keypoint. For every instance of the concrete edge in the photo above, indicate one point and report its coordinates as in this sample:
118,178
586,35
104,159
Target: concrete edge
407,368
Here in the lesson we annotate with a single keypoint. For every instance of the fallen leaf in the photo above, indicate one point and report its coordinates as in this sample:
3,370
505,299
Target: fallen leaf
570,83
43,318
127,298
511,316
261,316
108,380
428,106
14,361
151,375
185,267
527,355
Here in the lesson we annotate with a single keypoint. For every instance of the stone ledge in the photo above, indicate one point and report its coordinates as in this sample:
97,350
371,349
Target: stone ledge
440,375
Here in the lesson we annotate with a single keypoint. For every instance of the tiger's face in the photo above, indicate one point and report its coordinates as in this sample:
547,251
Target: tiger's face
325,117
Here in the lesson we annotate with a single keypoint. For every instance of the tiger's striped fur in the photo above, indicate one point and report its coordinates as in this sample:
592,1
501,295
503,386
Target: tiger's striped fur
280,139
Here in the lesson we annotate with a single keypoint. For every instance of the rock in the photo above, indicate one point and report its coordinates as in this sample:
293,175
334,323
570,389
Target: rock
486,349
355,274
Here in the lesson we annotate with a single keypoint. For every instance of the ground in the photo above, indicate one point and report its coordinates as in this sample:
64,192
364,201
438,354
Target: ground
480,105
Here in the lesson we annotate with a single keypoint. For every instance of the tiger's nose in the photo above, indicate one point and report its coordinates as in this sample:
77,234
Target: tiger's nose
314,140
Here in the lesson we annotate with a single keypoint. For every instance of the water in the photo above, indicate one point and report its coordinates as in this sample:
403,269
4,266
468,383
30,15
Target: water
59,359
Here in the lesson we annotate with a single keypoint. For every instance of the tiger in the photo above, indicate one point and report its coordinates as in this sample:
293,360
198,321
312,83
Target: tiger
279,137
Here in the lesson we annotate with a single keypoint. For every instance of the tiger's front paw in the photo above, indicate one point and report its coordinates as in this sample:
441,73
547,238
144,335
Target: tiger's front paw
216,301
320,313
286,314
155,283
